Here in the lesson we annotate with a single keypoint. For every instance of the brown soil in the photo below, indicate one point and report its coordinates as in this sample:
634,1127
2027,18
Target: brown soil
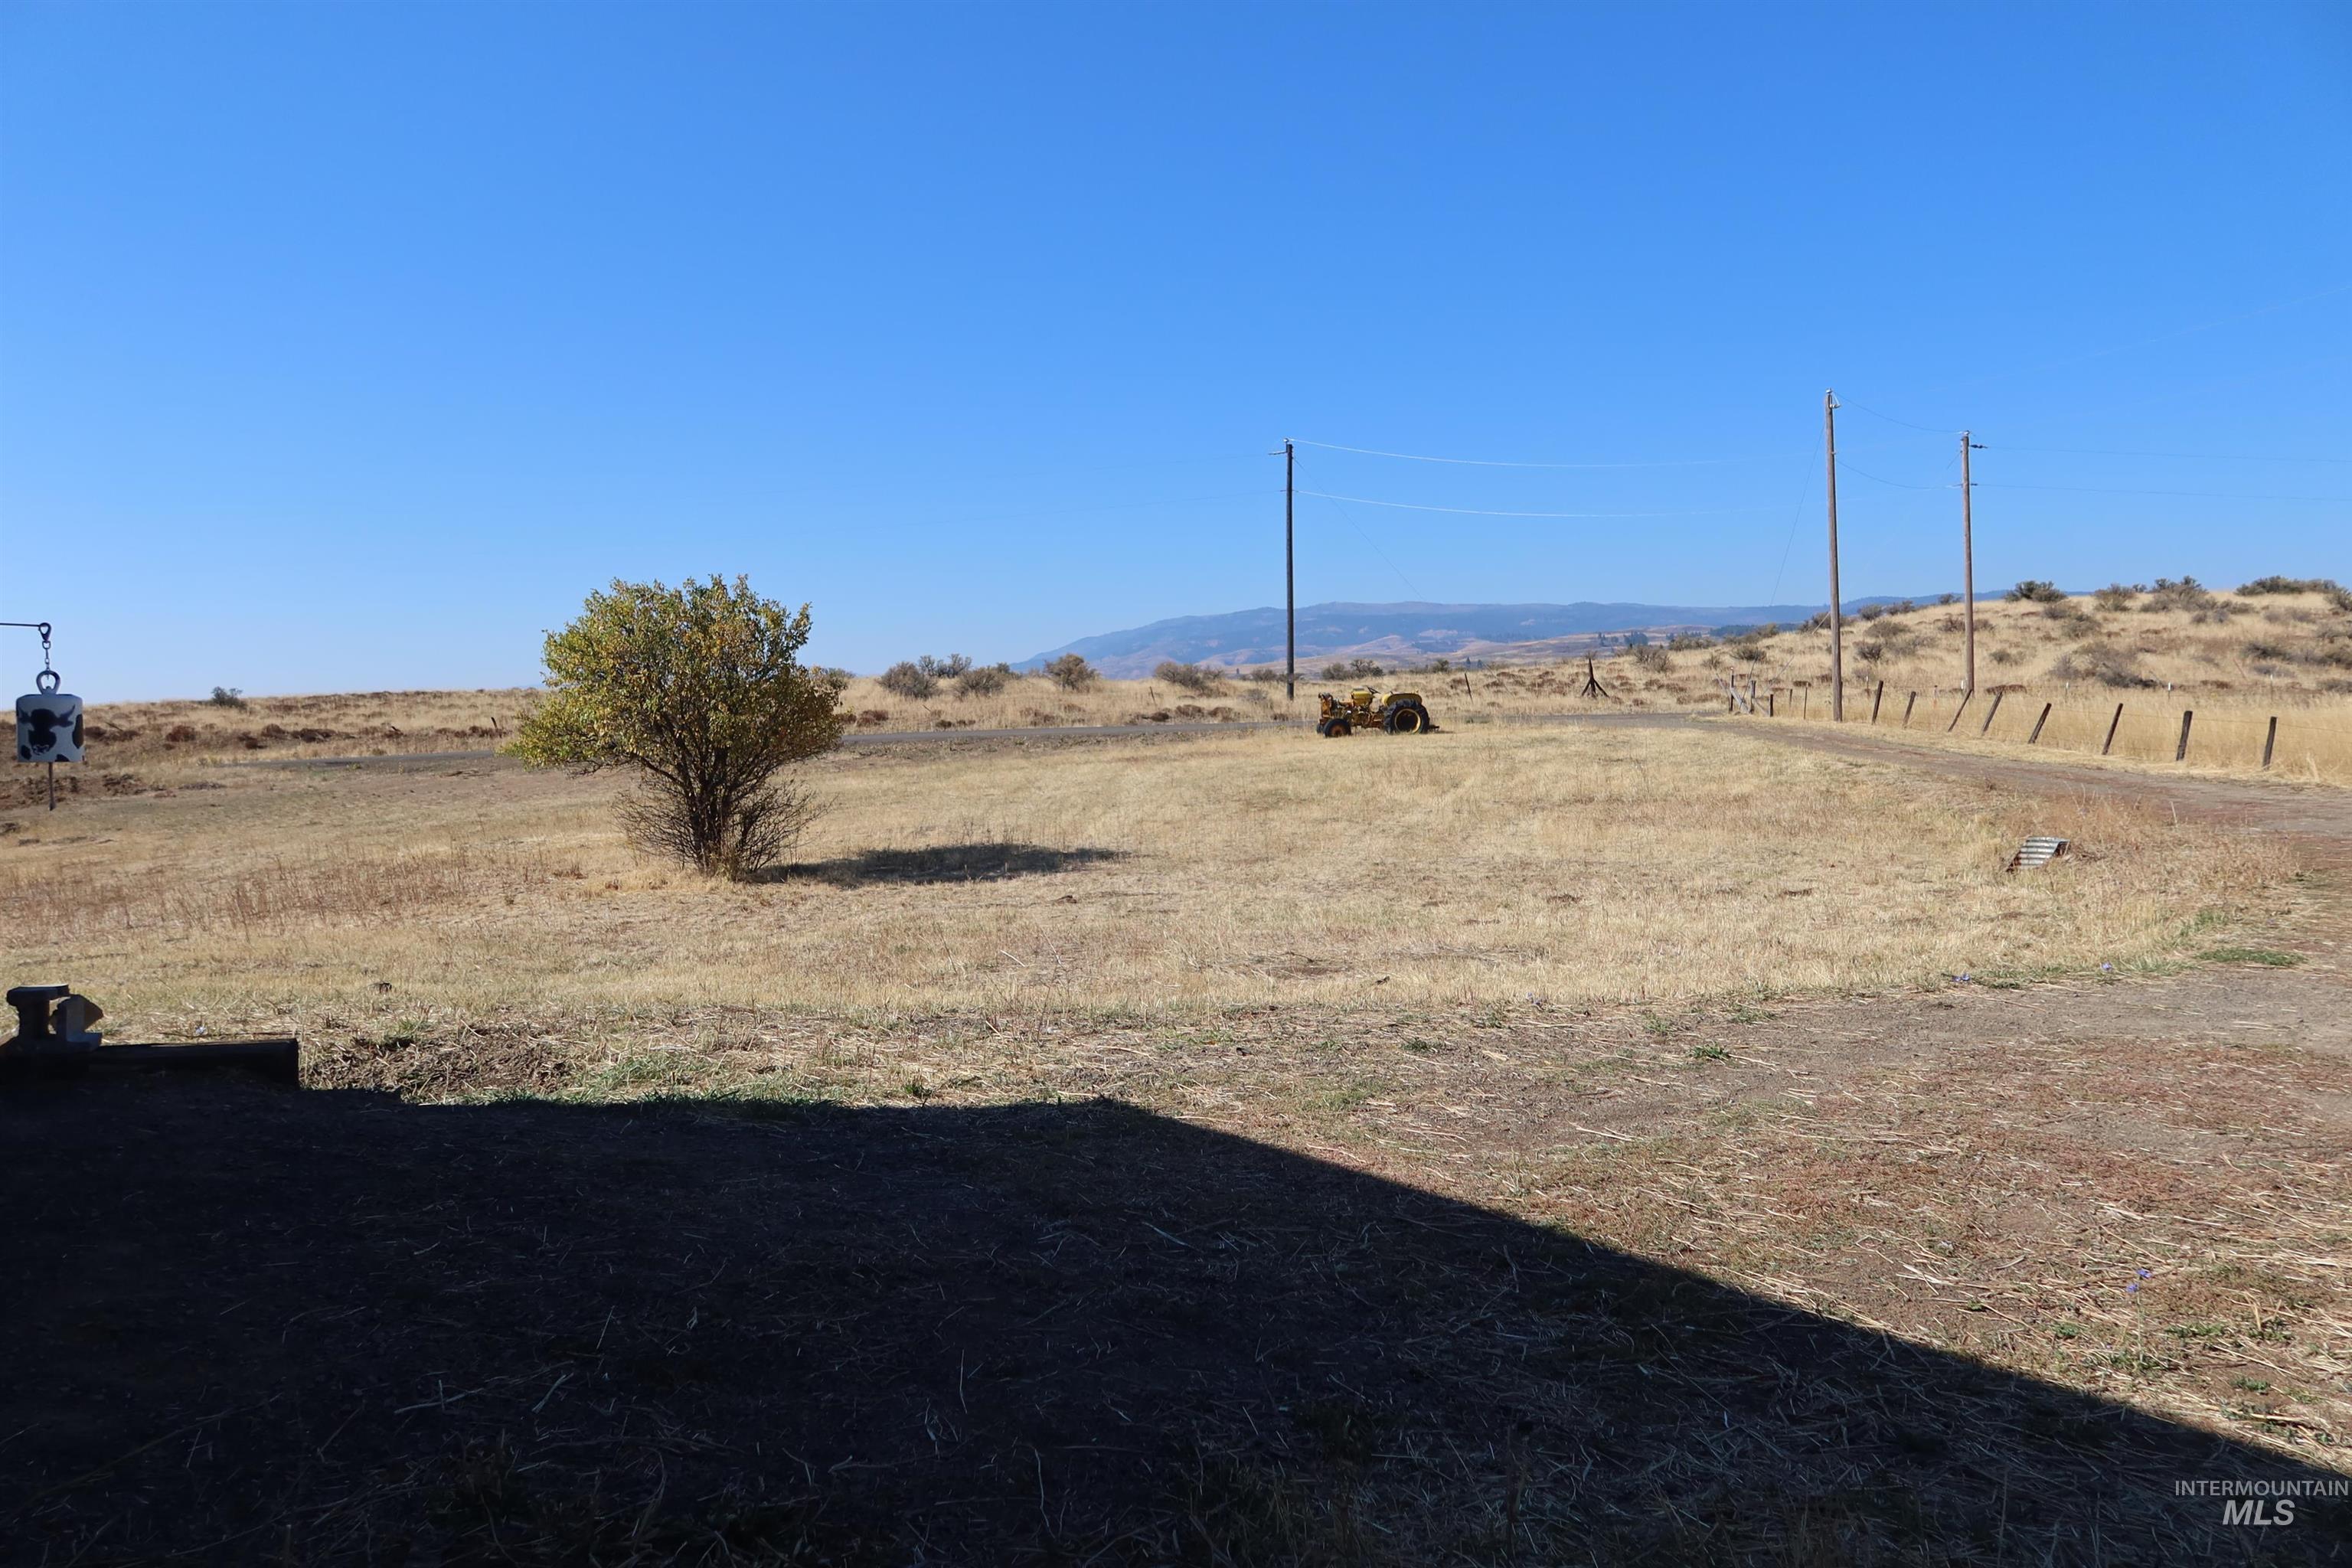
1850,1283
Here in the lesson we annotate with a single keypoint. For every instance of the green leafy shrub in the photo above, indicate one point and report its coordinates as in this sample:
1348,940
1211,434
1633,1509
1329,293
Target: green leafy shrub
699,690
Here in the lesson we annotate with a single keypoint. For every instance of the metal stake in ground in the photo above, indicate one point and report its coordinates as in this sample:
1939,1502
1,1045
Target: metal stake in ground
1593,687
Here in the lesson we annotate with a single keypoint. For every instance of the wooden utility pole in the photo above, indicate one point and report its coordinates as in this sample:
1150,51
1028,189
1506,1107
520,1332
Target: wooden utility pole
1290,564
1837,616
1968,554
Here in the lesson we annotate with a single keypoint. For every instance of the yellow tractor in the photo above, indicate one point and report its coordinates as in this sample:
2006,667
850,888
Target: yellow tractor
1398,713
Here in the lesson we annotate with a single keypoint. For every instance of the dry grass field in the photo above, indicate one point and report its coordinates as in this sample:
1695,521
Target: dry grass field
1641,1141
2236,660
1512,867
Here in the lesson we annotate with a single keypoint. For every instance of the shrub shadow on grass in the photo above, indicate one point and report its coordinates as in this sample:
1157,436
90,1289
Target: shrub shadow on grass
991,862
330,1327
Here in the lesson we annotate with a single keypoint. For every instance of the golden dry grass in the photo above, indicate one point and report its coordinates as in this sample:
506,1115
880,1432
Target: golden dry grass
1494,867
1585,976
2235,664
149,735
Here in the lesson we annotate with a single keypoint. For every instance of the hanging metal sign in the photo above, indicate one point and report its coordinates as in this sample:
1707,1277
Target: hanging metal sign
49,722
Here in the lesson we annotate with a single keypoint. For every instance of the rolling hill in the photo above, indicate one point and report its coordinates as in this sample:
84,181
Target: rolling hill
1402,634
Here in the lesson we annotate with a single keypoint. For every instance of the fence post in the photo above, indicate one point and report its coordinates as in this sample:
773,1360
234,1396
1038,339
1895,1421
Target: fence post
2109,745
1875,698
1957,712
1907,704
1773,703
2038,724
2180,755
2269,740
1985,729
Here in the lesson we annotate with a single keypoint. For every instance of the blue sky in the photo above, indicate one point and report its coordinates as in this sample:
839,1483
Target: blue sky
349,345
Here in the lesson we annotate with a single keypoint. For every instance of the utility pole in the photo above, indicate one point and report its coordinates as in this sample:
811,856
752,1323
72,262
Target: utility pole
1837,614
1290,562
1968,554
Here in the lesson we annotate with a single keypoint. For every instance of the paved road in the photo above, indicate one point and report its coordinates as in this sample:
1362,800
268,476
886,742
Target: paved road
914,737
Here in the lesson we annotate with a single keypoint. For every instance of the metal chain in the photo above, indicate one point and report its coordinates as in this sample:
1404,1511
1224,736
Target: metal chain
47,669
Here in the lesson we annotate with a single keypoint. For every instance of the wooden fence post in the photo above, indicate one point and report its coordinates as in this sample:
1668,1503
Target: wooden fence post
1773,703
2038,724
1907,705
2180,755
1875,698
2269,740
1957,712
1986,728
2110,744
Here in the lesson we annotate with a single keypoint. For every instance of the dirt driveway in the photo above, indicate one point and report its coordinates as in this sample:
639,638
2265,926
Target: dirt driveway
1970,1275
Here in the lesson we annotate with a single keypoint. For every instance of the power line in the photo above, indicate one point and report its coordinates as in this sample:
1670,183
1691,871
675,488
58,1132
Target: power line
1875,414
2206,495
1491,463
1478,512
1369,542
2190,457
1804,493
1848,468
2332,289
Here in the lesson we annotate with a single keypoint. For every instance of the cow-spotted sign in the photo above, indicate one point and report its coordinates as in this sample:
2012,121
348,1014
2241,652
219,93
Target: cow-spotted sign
48,724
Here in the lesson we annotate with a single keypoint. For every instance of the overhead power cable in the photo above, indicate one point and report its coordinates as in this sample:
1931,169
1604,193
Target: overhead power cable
1492,463
2206,495
1846,467
1875,414
1480,511
1369,542
2190,457
2332,289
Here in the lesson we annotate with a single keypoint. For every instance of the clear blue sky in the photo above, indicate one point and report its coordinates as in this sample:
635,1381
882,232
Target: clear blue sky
349,346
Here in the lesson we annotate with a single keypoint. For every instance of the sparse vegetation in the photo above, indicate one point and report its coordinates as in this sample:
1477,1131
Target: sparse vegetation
2186,594
1071,672
985,680
698,691
2103,662
226,696
2034,590
2276,585
1196,678
909,679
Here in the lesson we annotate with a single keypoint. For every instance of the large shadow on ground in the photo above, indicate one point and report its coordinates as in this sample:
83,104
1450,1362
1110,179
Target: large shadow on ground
984,862
247,1326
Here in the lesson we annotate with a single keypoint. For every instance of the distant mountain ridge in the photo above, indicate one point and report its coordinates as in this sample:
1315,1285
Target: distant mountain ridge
1405,633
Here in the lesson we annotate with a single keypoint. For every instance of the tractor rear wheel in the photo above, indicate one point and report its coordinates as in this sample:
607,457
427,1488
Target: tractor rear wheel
1407,722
